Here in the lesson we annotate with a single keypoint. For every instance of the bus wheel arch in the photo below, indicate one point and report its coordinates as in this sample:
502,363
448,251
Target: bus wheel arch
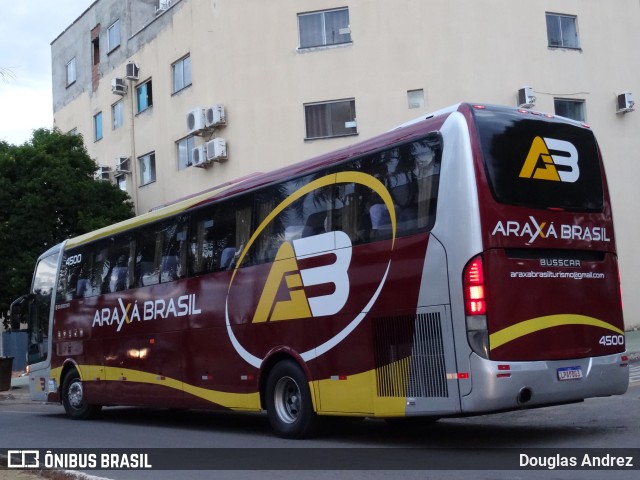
72,395
285,393
271,360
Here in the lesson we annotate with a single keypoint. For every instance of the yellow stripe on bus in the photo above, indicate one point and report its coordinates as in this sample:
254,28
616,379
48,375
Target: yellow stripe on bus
353,395
234,401
521,329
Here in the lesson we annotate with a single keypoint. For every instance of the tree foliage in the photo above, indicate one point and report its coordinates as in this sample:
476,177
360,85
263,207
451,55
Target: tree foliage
48,194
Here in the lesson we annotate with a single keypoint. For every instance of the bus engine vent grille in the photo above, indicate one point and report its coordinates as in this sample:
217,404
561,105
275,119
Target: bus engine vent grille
409,355
428,375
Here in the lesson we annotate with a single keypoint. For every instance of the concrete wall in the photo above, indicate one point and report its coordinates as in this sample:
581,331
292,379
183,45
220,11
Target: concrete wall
244,55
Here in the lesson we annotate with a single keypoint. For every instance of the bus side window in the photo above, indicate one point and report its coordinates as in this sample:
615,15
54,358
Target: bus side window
305,217
350,212
82,289
98,270
71,284
147,263
174,250
225,236
266,245
201,245
428,160
410,173
217,233
243,217
115,256
309,215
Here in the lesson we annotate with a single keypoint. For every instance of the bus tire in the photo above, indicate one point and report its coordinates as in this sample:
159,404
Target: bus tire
288,401
73,399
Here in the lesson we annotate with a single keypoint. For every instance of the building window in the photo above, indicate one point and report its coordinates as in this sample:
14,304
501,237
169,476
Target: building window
562,31
144,94
181,74
117,114
147,168
95,51
113,36
184,147
97,126
573,109
415,98
121,180
329,27
331,119
71,71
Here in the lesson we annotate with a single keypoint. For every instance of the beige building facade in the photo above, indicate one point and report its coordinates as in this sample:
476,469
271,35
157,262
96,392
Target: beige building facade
272,83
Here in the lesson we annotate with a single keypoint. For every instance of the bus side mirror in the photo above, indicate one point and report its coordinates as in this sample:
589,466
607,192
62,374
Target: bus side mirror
19,310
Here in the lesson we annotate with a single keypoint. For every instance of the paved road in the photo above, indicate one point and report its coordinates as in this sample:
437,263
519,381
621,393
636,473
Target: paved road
610,422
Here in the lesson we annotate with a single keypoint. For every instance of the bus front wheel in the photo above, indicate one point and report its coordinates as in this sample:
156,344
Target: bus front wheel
73,398
288,401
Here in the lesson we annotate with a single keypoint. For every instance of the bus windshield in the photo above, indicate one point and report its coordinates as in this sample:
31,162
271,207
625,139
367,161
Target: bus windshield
538,162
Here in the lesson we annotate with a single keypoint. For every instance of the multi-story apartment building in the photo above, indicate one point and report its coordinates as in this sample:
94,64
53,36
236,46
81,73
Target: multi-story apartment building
150,84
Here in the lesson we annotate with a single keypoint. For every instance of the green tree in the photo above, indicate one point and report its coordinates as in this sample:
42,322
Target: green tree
48,194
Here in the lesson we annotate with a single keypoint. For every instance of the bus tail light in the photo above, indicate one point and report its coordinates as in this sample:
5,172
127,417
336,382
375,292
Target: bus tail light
474,291
475,305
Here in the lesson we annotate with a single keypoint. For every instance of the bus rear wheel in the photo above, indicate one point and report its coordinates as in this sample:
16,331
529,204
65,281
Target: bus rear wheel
288,401
73,398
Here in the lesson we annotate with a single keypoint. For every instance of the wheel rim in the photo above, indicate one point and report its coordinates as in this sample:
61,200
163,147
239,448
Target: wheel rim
75,394
287,399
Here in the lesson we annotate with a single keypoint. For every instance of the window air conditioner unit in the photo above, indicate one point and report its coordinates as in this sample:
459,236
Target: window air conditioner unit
526,98
118,86
215,116
195,120
132,71
103,173
199,156
217,150
122,166
625,102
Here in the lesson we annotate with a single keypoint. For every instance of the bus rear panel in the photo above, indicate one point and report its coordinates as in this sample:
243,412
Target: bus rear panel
548,327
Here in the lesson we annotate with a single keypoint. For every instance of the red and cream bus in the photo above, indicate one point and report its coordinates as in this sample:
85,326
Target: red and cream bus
462,263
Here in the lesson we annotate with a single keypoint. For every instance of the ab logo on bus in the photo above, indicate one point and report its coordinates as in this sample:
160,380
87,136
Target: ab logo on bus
334,252
546,170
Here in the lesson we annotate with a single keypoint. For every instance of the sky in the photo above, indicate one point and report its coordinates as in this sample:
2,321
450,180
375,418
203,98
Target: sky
27,28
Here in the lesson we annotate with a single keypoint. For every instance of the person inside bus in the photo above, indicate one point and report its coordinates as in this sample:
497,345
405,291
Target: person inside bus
119,273
380,221
315,225
169,265
82,284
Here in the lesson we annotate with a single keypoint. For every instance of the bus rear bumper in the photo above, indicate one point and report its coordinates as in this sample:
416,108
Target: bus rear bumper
508,385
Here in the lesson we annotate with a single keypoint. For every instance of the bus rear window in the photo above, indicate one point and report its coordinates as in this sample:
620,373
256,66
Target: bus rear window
538,162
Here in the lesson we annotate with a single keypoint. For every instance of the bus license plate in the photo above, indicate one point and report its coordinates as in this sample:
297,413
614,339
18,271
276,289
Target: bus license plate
569,373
